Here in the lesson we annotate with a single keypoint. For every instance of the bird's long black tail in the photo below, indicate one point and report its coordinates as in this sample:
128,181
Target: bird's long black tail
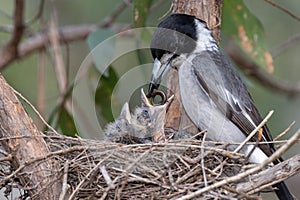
282,191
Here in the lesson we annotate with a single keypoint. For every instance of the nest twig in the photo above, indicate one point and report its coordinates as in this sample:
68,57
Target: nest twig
91,169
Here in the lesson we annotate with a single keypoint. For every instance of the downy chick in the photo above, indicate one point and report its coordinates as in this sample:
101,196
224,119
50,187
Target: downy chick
146,124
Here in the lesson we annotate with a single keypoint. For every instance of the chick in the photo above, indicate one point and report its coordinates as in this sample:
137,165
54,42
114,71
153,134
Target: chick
146,124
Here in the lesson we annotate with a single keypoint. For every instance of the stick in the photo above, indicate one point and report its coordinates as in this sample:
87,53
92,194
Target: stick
65,181
239,176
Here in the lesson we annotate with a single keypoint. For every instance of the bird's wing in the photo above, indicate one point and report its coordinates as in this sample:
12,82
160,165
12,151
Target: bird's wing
224,86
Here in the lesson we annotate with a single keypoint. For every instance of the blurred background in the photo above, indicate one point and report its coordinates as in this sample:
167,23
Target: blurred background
38,75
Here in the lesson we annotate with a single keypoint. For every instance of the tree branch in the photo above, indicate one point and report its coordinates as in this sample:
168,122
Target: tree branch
283,9
253,70
251,171
10,50
270,176
285,45
13,50
112,17
15,123
40,41
38,14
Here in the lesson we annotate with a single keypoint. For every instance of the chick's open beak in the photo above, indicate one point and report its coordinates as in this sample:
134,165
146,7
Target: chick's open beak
147,103
144,100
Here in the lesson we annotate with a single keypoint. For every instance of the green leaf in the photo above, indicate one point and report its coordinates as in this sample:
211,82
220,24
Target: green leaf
60,118
102,54
104,92
66,123
247,31
140,12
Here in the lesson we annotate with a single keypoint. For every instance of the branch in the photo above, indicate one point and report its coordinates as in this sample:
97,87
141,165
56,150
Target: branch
285,45
253,170
40,40
65,181
253,70
112,17
26,143
10,50
59,66
6,28
18,24
149,167
270,176
38,14
283,9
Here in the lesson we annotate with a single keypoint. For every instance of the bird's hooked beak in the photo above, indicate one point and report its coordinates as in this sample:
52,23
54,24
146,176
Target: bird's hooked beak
158,72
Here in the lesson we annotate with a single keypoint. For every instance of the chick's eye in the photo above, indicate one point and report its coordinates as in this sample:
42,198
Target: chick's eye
145,113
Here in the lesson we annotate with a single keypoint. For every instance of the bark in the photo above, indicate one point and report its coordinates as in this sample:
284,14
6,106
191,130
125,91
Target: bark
26,143
10,50
270,176
209,11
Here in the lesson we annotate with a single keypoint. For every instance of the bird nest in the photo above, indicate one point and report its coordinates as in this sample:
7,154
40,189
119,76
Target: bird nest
92,169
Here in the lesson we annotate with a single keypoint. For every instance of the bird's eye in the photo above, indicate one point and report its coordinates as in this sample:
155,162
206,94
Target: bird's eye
145,113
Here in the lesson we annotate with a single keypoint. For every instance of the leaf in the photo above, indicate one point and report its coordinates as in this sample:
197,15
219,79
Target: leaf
102,54
140,12
104,92
247,31
60,117
66,123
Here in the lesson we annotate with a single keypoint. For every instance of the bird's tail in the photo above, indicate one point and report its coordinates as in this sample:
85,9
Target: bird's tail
282,191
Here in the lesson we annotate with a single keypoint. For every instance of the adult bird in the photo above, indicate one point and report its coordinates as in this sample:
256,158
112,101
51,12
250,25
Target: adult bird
212,92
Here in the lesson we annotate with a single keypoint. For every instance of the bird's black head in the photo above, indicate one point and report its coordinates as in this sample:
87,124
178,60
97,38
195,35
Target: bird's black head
176,34
175,37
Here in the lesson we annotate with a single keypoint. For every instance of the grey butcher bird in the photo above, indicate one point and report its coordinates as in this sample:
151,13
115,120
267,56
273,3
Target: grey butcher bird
212,92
